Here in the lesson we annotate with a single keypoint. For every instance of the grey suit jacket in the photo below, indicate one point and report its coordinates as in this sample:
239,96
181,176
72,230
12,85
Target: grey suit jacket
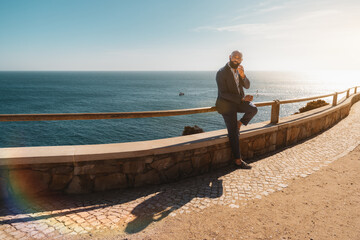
228,95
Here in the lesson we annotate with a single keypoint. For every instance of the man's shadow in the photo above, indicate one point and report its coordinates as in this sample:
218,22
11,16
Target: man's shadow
174,196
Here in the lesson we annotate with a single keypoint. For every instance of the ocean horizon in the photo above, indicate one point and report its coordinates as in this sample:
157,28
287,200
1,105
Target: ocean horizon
34,92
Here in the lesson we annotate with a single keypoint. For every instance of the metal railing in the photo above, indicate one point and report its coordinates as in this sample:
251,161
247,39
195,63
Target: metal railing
275,110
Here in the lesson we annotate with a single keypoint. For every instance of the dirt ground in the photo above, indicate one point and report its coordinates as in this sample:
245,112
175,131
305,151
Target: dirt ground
324,205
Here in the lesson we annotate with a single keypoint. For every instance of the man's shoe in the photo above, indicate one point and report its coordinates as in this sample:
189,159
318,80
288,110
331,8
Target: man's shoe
243,165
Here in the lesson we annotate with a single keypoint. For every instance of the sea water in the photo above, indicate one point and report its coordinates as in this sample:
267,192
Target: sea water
94,92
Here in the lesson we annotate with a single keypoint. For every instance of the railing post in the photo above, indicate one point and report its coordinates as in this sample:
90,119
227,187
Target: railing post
275,111
355,89
335,99
348,93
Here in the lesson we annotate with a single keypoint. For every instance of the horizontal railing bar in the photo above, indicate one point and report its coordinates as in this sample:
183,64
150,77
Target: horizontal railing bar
111,115
342,92
97,116
263,104
125,115
304,99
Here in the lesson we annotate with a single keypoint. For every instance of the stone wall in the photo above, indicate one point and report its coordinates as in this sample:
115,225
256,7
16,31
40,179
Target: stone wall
77,177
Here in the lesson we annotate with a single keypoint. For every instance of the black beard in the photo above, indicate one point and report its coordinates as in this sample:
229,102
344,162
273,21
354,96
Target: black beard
234,65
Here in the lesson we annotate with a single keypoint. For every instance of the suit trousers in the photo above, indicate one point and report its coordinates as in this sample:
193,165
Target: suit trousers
230,119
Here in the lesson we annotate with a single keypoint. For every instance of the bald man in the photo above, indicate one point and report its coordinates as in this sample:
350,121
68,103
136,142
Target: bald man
231,81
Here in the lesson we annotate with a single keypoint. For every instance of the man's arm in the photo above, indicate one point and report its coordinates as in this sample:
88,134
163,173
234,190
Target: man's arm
223,93
245,82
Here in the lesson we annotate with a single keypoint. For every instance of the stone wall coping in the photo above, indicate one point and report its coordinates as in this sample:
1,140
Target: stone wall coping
78,153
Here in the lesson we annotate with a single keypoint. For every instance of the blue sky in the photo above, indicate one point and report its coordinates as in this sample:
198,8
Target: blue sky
178,35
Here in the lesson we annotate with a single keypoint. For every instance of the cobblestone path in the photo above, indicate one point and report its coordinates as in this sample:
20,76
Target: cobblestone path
133,209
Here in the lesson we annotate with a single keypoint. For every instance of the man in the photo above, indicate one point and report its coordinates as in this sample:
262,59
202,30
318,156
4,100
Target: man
231,80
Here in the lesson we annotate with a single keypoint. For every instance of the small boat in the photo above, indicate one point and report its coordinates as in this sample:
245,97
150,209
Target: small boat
181,94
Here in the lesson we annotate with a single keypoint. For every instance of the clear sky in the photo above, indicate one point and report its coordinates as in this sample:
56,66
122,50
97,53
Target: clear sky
179,35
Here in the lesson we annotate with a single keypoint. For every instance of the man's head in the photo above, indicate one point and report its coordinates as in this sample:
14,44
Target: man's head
235,59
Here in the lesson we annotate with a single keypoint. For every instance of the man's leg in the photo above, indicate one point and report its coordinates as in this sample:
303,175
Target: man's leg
249,110
233,133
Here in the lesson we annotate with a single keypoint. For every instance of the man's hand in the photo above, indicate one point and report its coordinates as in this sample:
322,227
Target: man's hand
248,98
241,71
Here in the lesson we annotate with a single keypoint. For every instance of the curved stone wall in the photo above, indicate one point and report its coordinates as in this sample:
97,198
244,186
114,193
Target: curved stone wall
88,168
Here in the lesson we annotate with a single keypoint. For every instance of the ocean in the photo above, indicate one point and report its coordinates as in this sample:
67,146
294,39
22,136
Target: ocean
91,92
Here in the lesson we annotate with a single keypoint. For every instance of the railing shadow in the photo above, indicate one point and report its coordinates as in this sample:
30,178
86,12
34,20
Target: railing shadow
65,204
159,201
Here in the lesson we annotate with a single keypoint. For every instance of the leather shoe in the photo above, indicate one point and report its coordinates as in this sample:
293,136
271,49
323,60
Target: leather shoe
243,165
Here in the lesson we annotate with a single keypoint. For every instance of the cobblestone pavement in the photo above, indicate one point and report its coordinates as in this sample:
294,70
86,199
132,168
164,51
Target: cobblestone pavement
133,209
